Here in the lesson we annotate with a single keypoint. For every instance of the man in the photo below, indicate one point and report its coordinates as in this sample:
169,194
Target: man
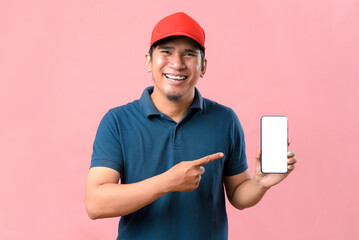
173,150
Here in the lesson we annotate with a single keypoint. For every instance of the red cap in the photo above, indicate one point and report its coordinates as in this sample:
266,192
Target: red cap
178,24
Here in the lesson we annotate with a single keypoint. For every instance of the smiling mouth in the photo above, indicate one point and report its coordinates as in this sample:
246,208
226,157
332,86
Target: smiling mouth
176,78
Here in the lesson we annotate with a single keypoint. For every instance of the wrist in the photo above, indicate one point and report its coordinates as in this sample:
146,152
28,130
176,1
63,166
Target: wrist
165,182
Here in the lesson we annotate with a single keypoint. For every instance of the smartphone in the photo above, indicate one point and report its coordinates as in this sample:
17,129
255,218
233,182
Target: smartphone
274,144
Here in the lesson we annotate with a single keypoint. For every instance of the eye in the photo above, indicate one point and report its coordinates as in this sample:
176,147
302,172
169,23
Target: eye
165,52
189,54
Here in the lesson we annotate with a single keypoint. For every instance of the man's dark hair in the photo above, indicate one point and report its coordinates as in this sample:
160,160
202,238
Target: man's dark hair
154,45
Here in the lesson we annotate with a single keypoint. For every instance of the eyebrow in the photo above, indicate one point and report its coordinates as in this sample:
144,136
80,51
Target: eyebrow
164,47
190,50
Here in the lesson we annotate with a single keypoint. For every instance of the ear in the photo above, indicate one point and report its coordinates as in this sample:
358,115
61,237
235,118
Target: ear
204,68
148,62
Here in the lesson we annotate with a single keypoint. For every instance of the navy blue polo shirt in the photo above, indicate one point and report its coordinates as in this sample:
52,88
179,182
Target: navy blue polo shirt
140,142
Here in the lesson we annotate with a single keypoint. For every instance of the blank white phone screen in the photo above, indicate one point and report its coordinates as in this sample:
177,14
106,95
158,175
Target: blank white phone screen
274,144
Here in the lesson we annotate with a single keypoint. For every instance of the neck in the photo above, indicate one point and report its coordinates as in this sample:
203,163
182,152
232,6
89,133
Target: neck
176,110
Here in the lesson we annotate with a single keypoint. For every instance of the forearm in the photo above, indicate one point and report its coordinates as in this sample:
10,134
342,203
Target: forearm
104,197
247,194
113,200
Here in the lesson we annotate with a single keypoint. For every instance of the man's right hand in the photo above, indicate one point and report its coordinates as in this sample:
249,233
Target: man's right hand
185,176
106,198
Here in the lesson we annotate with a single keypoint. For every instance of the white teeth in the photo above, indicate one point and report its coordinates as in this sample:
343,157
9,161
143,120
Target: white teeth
175,77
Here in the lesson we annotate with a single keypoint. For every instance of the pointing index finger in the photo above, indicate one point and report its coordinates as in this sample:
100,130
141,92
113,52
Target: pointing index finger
208,159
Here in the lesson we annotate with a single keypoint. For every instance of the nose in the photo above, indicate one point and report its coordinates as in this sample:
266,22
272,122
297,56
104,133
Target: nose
177,62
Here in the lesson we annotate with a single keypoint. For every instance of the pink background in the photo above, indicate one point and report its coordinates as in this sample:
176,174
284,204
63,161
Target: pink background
63,64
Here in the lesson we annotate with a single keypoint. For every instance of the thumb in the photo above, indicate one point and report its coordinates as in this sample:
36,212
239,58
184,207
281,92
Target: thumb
258,161
258,155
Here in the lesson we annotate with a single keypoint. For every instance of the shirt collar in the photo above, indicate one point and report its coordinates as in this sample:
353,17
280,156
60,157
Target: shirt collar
149,108
197,101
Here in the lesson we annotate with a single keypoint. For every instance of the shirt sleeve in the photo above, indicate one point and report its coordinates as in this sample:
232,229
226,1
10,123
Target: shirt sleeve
236,162
107,151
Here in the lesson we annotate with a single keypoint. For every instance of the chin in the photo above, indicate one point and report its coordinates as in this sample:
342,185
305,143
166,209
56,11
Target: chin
173,97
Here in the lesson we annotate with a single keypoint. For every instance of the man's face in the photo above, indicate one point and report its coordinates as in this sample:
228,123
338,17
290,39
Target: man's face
176,67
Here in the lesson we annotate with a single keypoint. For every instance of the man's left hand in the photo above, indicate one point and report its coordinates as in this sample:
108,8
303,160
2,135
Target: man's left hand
269,180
